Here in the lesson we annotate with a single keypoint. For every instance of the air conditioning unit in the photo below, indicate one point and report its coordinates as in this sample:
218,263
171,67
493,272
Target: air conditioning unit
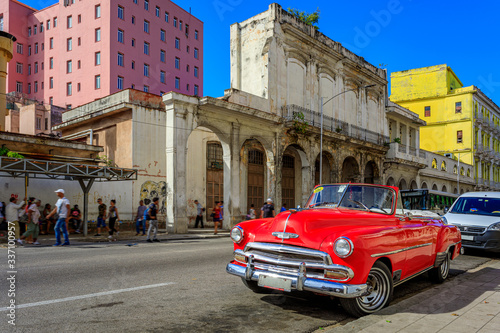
449,155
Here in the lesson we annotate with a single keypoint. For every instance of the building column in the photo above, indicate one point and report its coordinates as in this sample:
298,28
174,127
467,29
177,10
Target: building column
232,211
6,46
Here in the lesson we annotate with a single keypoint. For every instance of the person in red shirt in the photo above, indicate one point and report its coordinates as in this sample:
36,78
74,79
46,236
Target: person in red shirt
217,217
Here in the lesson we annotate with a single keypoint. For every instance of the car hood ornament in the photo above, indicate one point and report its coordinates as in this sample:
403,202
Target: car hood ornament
284,235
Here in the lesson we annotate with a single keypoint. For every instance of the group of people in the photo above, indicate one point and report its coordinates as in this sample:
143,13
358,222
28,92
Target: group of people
147,211
217,214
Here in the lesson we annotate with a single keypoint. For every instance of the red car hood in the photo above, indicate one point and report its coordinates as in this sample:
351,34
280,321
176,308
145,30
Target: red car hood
312,226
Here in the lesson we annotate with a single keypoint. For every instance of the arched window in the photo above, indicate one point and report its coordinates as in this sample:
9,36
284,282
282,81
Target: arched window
462,172
443,166
455,170
434,164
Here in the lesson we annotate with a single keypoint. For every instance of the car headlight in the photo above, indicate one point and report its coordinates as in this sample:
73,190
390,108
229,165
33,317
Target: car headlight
494,227
343,247
237,234
445,221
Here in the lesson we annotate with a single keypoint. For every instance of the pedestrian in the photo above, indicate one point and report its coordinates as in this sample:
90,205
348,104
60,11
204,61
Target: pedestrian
251,212
101,221
76,218
113,216
283,208
33,228
199,214
62,208
12,214
140,220
153,221
262,210
268,209
217,217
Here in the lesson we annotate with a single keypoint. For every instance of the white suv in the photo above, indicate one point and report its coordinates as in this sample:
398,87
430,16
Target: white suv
477,215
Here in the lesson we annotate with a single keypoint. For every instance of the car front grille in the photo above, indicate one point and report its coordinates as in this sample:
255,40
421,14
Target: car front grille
472,229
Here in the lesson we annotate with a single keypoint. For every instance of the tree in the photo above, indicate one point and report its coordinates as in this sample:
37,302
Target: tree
307,18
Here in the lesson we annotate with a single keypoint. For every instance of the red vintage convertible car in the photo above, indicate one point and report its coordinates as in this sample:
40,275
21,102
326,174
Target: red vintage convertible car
352,241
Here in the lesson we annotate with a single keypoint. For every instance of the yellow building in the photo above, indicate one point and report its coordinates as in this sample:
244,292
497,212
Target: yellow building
461,121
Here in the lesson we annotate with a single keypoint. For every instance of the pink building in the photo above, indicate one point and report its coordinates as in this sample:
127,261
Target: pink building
75,51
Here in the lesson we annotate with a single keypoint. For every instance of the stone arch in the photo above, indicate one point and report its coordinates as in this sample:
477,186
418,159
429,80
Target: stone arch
462,172
253,173
402,184
455,191
350,170
391,182
443,166
296,73
434,163
424,185
328,169
371,173
444,189
455,169
413,185
326,90
434,187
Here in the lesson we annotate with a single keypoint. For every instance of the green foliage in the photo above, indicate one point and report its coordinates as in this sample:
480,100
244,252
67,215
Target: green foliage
299,123
397,140
4,151
307,18
107,161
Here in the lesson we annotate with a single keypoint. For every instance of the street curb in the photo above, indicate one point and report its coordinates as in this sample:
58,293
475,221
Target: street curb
403,306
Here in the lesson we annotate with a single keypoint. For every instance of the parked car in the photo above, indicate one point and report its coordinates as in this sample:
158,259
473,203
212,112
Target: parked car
352,241
477,215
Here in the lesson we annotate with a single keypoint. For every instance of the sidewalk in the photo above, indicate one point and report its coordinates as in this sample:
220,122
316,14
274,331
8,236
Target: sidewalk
468,303
128,236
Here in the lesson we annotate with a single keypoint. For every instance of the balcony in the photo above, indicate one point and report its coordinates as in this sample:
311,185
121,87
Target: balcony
313,118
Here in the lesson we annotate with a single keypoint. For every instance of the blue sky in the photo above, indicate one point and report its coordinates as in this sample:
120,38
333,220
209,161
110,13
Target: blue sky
397,34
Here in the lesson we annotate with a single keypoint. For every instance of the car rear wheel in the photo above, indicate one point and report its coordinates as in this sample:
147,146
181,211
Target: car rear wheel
440,273
380,289
253,286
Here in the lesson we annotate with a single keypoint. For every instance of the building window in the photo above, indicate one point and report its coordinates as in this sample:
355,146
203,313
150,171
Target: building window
97,58
175,22
459,136
120,12
157,11
177,83
29,88
19,87
38,123
69,21
98,82
120,83
177,63
55,22
34,30
146,26
19,48
146,88
36,67
195,71
79,20
427,111
133,42
98,34
68,106
19,68
69,66
1,22
46,124
29,50
162,76
133,64
29,69
187,68
36,48
133,19
41,27
120,36
166,16
196,34
48,24
195,53
51,83
163,35
458,107
69,89
42,65
51,63
29,31
135,1
196,90
187,30
180,25
163,55
78,86
146,70
51,100
79,42
177,43
187,87
36,86
187,49
146,48
120,59
97,11
146,4
51,43
69,44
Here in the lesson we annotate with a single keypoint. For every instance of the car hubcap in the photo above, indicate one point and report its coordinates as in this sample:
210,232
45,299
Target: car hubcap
378,286
445,267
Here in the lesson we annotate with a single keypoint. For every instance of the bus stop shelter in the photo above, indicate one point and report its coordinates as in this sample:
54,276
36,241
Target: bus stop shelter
84,174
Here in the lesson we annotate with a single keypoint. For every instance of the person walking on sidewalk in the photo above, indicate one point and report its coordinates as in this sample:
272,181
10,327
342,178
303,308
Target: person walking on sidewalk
140,220
12,215
199,214
217,218
153,221
101,221
62,209
113,216
33,227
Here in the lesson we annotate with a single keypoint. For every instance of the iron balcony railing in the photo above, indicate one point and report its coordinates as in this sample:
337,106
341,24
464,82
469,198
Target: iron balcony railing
313,118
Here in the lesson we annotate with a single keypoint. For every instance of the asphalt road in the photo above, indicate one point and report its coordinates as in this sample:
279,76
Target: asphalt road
175,286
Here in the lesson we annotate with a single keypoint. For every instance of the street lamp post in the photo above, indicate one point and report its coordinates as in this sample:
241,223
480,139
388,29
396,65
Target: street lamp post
321,130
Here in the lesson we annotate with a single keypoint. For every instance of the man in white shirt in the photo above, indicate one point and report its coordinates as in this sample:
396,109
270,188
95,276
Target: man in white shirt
12,214
62,209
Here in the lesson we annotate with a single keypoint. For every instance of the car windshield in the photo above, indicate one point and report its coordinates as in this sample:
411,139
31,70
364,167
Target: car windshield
477,206
365,197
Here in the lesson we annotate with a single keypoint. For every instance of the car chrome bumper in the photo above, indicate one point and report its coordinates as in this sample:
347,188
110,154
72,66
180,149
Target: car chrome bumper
301,282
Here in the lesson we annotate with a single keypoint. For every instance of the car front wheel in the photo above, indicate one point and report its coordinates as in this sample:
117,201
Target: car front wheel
380,289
